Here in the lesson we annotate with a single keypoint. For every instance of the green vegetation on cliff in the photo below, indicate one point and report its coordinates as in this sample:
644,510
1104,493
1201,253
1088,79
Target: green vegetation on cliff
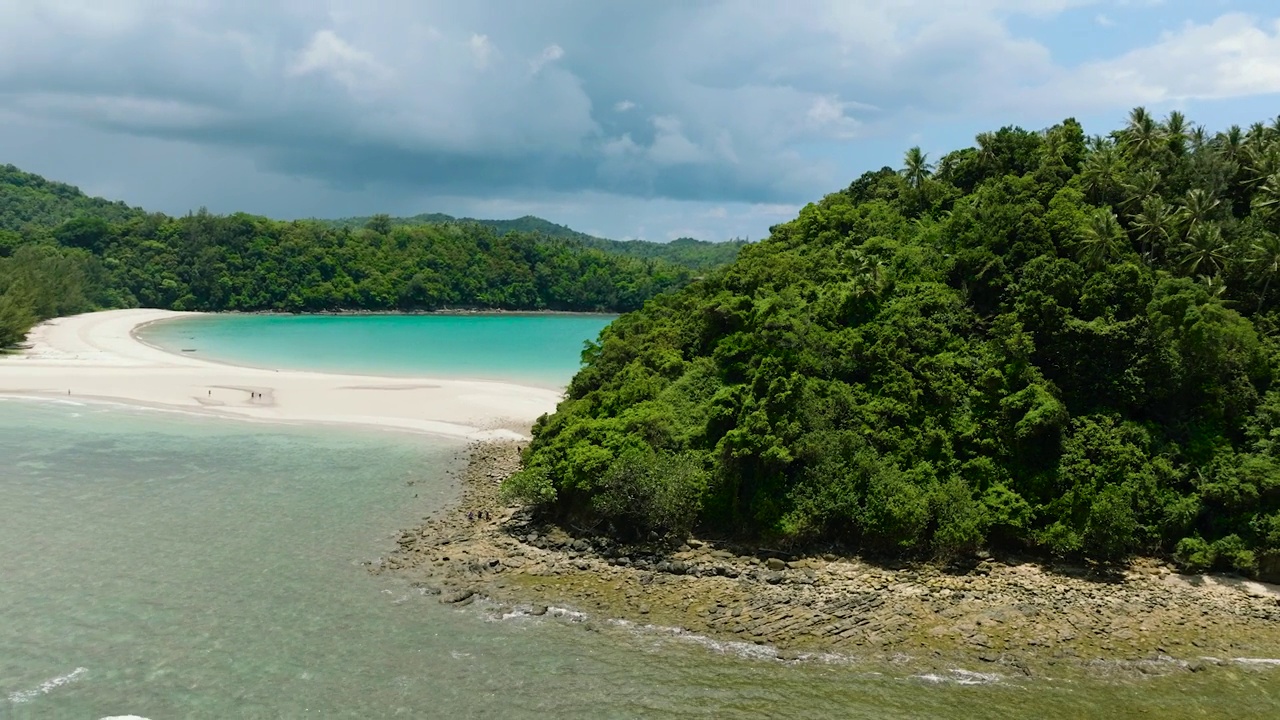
1047,342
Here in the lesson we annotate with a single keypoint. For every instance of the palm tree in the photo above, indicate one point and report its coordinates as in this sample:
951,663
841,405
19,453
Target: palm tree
1214,284
1176,131
1098,174
1197,207
1264,257
1198,137
1142,133
1231,143
1204,250
1145,184
1156,225
1267,198
1258,133
1100,239
916,168
1262,160
867,274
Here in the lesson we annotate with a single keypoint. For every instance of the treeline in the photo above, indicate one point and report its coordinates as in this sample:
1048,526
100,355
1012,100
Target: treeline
44,281
686,252
695,254
61,252
1048,342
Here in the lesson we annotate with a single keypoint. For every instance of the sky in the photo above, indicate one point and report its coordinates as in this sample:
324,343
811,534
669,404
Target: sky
651,119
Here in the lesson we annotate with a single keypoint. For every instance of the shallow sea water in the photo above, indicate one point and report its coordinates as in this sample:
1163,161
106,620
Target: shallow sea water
164,565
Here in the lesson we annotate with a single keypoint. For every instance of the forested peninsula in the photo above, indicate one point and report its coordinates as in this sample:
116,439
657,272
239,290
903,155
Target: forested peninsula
1049,343
62,252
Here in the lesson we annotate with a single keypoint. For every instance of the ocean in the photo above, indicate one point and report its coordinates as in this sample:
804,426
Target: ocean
164,565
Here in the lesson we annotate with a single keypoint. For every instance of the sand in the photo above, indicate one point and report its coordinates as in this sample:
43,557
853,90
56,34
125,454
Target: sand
95,357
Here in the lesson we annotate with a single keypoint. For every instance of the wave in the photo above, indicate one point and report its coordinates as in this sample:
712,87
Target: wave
961,677
47,686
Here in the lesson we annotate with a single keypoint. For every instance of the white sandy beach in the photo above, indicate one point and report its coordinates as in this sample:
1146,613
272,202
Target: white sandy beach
95,357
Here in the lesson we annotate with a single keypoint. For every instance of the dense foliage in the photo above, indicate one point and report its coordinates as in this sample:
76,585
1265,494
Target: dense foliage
685,252
62,252
43,281
28,200
1048,342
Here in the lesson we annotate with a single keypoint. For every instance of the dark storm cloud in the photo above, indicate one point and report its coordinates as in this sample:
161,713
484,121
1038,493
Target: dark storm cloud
733,101
686,100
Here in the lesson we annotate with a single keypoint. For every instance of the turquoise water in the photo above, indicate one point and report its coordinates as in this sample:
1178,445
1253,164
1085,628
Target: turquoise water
171,566
543,349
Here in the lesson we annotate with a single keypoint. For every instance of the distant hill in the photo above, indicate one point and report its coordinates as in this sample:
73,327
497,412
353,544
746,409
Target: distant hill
526,224
62,252
28,199
687,252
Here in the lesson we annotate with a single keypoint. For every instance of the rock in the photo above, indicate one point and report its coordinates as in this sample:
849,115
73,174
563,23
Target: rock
644,608
775,564
978,639
457,596
538,610
773,578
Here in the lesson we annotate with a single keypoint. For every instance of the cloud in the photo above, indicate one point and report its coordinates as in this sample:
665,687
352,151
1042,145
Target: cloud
549,54
1233,56
718,100
482,50
330,55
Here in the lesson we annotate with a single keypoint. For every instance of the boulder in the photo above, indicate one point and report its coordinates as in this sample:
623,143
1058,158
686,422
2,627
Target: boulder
457,596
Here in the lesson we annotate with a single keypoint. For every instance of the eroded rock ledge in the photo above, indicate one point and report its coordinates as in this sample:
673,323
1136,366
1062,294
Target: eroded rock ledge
1021,616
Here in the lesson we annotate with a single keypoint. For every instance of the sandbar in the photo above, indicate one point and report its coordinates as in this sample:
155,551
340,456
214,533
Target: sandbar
96,357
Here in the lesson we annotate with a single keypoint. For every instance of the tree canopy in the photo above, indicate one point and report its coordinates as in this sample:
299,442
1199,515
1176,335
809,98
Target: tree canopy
1047,342
685,252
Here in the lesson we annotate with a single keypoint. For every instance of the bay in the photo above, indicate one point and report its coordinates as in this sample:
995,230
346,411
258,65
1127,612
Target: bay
532,348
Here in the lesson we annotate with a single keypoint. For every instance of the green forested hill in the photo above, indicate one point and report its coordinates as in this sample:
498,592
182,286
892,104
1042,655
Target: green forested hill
686,252
526,224
62,252
1047,342
30,200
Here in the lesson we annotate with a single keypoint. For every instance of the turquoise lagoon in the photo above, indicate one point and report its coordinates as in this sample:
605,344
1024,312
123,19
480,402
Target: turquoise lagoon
541,349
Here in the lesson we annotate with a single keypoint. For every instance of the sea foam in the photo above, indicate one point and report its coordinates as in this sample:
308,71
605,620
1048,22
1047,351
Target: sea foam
47,686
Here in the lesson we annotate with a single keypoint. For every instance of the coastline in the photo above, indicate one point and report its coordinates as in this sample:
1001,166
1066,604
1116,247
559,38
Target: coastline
97,357
1020,619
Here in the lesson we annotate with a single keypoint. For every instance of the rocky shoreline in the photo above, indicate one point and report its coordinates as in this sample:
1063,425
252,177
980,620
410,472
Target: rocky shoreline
1021,618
